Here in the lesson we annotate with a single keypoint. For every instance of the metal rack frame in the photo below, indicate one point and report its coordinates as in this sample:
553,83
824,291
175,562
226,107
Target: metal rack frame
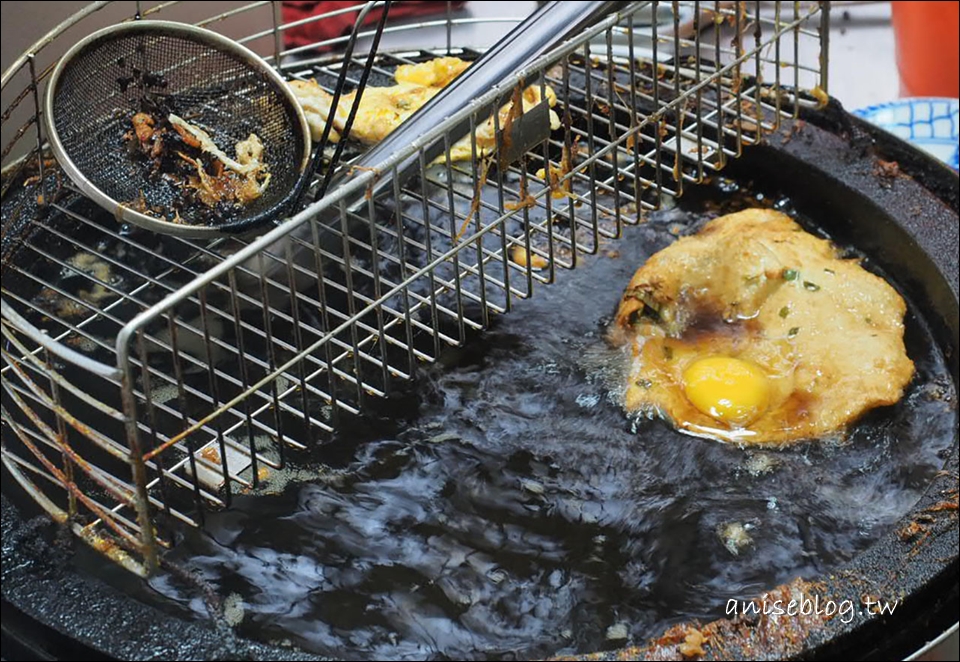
148,379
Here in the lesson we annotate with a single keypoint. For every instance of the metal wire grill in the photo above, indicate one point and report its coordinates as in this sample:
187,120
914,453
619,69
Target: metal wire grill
147,378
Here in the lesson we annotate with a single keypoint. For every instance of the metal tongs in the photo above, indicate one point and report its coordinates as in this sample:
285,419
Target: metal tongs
543,30
550,25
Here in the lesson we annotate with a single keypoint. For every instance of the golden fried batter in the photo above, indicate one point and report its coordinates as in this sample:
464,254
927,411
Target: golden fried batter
755,331
383,109
438,72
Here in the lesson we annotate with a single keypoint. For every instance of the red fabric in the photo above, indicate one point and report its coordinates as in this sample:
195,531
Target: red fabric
341,24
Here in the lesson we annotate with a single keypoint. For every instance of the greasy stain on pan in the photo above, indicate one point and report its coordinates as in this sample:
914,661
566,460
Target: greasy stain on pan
502,506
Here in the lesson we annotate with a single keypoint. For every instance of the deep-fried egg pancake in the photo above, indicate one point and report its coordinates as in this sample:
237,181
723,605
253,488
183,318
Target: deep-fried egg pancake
756,331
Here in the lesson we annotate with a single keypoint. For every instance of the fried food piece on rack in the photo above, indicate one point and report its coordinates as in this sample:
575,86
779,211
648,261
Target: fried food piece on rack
437,72
383,109
755,331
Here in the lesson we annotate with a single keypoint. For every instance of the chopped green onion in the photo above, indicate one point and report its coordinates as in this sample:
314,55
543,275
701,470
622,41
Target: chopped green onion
784,311
794,331
790,274
813,287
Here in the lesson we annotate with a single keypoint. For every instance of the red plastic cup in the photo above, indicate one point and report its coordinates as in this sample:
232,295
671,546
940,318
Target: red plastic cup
928,48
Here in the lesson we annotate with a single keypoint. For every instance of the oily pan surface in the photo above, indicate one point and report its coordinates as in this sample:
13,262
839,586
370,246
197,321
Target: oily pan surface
503,505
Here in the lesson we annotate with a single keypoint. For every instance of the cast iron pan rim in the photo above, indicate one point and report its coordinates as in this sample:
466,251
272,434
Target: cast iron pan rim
43,592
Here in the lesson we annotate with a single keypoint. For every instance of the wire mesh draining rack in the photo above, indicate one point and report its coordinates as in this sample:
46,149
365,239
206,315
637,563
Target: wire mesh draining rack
148,378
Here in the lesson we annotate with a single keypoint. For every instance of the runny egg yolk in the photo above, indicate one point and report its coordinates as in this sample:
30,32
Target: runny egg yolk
732,391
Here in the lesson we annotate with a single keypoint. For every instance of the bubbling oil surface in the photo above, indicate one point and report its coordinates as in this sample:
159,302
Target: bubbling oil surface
506,507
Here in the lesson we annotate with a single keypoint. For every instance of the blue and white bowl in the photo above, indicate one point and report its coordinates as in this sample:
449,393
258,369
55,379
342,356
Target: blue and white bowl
929,123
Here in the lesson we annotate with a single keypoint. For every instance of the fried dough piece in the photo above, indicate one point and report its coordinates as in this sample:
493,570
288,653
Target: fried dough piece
754,289
437,72
383,109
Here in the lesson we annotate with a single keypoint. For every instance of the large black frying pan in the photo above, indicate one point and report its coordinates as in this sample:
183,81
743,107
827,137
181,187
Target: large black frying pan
905,217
